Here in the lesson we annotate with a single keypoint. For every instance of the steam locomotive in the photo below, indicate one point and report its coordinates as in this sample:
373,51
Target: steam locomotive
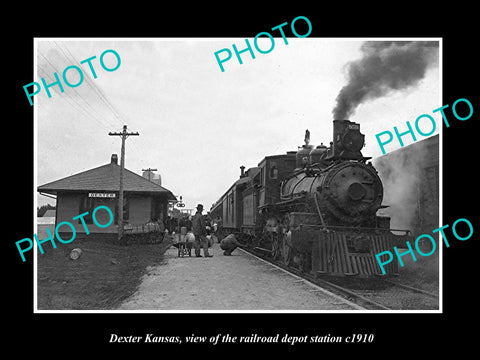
314,209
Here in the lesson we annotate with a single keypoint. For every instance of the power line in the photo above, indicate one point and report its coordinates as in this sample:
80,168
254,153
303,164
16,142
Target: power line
77,93
73,101
88,80
92,85
95,87
98,90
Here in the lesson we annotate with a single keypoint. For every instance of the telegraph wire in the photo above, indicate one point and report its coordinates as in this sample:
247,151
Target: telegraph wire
66,96
75,103
95,87
76,98
86,76
101,94
80,109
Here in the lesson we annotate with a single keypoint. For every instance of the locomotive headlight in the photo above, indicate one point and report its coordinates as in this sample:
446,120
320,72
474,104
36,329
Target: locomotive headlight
353,140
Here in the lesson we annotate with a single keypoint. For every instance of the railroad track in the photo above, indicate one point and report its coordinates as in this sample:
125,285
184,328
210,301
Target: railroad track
363,300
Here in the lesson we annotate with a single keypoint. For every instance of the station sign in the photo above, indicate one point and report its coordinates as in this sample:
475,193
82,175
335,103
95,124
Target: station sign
101,195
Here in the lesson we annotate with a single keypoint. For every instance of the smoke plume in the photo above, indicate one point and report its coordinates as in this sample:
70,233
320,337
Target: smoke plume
410,178
385,66
410,186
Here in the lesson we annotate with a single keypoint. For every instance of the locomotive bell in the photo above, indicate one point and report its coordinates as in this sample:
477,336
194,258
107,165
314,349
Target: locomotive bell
302,156
317,154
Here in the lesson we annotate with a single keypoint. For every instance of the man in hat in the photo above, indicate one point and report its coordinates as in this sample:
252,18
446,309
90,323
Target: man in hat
199,230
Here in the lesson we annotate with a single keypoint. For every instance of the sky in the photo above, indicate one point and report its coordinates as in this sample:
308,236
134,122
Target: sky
197,124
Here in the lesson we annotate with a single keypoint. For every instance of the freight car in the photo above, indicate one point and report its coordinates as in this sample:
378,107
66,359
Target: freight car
314,209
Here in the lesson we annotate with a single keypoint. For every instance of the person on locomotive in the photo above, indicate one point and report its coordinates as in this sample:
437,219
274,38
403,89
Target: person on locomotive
200,231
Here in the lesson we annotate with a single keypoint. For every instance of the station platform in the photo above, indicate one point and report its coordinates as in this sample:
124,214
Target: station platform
226,283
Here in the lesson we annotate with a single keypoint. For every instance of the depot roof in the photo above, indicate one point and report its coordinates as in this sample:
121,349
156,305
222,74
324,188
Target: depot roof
105,178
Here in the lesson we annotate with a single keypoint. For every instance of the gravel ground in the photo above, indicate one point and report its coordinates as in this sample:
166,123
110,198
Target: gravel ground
237,282
100,279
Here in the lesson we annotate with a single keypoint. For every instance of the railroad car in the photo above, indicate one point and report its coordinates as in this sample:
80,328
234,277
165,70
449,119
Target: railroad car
314,209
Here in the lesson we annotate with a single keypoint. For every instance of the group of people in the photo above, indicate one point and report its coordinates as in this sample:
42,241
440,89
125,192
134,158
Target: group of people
202,228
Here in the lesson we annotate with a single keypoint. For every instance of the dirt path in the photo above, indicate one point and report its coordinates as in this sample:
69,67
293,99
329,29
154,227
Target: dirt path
237,282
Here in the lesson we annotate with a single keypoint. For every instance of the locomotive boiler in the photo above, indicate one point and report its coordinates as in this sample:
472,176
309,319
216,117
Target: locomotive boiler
315,209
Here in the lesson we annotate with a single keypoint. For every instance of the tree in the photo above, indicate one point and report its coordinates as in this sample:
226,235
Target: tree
42,209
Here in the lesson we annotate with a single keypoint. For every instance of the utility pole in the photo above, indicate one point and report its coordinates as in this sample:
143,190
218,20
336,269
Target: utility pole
149,172
124,134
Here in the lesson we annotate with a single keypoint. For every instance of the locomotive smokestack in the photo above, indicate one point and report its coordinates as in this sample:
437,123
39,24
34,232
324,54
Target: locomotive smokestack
348,141
242,171
386,66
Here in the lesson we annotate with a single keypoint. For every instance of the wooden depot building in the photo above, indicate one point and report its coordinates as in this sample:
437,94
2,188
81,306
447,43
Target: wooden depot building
144,201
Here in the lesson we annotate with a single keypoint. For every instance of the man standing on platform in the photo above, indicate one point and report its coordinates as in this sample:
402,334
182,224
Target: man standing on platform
200,231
